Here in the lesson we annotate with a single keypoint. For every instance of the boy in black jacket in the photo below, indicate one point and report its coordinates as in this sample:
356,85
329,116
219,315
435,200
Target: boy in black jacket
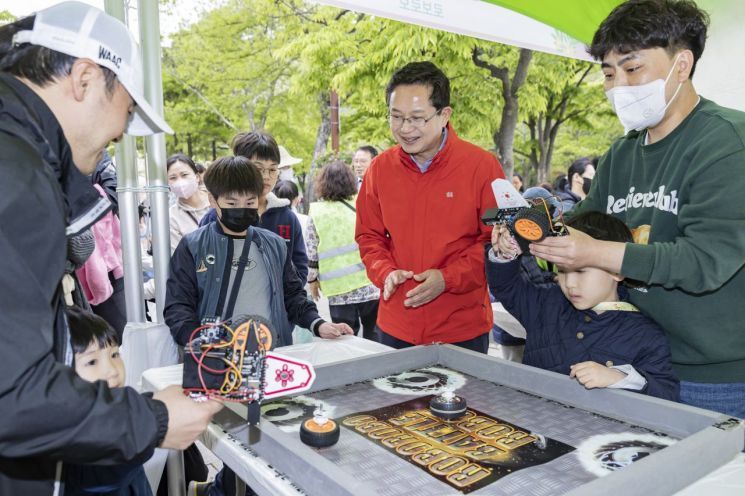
204,266
275,214
581,326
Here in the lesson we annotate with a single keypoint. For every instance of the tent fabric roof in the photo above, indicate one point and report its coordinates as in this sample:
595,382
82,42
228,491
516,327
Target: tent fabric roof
577,18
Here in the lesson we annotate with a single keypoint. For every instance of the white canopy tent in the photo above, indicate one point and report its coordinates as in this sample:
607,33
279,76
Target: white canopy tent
719,76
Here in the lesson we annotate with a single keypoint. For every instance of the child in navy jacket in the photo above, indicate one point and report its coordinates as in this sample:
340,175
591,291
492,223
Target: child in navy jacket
582,326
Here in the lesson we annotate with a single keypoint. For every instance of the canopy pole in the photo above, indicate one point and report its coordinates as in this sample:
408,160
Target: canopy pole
155,148
126,173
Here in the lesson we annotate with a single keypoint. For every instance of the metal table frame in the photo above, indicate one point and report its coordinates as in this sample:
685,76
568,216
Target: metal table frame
708,439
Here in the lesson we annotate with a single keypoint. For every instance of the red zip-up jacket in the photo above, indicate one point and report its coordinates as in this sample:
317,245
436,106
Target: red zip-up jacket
413,221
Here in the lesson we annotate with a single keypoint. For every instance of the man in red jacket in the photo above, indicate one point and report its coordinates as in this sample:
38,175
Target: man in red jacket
418,220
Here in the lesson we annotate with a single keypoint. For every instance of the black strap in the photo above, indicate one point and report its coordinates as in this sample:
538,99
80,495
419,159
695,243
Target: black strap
193,217
242,262
350,207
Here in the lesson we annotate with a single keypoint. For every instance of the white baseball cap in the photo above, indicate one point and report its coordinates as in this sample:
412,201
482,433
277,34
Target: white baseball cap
83,31
285,159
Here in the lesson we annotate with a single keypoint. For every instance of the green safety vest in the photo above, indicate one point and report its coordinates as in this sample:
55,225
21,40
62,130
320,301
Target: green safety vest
340,268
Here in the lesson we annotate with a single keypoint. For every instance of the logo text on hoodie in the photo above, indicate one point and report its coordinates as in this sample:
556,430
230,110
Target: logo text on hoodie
660,199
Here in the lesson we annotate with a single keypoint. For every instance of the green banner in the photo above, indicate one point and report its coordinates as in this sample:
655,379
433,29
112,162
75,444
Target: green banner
577,18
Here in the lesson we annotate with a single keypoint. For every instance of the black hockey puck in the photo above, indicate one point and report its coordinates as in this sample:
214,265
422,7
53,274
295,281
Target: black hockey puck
319,435
448,406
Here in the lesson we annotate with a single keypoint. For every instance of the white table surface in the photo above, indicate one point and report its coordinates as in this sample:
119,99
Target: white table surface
728,480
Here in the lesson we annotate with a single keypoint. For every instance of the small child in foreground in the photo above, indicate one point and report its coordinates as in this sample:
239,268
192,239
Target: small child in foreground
582,326
96,347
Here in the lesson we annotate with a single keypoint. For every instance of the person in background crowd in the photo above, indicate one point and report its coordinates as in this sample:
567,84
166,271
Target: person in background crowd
547,186
101,277
334,257
192,203
289,191
517,182
361,160
201,169
286,164
105,176
577,183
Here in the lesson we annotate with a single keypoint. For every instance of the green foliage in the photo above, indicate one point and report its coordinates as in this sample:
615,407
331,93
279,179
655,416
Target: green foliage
6,17
262,64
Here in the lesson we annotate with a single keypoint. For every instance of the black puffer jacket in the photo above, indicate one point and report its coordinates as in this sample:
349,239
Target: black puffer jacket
48,413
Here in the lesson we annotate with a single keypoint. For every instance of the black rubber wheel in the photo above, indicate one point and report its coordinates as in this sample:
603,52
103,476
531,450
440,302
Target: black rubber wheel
531,224
319,436
448,409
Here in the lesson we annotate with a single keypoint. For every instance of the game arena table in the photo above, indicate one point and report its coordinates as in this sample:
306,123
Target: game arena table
527,432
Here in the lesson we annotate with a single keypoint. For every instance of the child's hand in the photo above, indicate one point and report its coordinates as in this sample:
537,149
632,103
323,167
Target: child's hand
329,330
503,243
593,375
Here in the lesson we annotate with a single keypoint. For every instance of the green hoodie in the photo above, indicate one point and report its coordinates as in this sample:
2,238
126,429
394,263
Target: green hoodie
684,199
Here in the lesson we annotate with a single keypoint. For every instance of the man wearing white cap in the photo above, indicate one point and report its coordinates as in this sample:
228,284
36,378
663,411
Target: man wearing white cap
70,83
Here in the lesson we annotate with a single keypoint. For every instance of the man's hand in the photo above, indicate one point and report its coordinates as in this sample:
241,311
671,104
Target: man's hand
394,280
572,252
187,419
503,243
579,250
593,375
328,330
315,290
432,285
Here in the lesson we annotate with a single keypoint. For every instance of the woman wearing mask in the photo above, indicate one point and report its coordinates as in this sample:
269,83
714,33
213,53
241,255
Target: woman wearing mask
576,185
192,202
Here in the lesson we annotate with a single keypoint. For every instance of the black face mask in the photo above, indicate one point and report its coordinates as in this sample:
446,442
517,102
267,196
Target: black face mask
586,182
239,219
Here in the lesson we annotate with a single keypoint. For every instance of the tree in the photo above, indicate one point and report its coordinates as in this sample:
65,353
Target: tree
267,64
221,76
571,91
504,137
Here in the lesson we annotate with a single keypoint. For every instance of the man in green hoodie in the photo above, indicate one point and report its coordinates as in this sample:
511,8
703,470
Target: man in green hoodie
677,178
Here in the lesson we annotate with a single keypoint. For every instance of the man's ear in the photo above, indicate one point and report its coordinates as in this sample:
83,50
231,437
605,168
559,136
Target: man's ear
82,75
685,65
446,112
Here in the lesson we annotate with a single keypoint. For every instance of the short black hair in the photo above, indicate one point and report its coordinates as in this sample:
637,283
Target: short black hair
256,145
640,24
181,157
426,74
87,328
601,226
201,169
38,64
286,189
233,174
369,149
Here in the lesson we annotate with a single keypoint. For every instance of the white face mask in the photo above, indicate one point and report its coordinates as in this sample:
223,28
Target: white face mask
185,187
643,106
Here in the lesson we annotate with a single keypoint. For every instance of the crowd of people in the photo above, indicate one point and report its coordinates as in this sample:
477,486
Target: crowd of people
641,295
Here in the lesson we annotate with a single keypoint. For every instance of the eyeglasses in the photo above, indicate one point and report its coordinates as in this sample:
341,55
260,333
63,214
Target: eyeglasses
268,172
397,121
